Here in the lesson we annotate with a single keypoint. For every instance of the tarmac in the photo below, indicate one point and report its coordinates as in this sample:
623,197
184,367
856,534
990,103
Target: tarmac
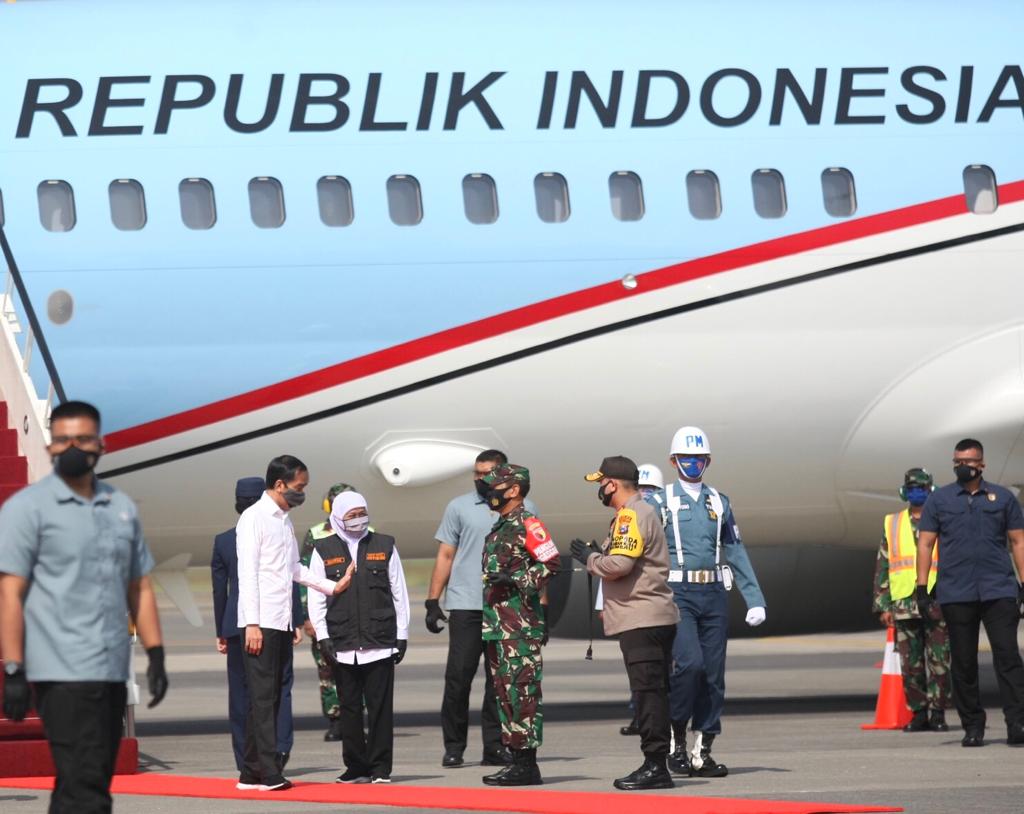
791,729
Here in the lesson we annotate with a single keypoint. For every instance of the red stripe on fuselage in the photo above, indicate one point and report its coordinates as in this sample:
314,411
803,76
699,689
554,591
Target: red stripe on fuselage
543,311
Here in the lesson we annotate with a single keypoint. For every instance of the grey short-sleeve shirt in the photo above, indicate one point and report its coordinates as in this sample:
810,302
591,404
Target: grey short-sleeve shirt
78,557
466,522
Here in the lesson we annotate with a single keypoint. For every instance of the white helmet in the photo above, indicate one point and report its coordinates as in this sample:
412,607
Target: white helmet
690,441
650,475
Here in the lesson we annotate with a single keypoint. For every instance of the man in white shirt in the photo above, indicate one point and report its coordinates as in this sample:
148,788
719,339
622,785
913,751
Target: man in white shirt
268,563
362,632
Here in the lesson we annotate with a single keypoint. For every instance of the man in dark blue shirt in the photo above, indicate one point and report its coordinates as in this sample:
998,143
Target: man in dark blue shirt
972,520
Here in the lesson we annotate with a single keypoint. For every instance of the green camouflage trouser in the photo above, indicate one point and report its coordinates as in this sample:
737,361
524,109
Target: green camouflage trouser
924,642
328,692
517,669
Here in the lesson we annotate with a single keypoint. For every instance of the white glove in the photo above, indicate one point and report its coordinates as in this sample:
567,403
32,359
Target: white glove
756,616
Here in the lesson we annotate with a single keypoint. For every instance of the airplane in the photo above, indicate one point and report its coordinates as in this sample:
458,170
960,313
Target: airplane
384,239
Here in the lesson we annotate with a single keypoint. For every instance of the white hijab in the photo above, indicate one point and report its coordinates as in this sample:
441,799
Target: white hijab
342,505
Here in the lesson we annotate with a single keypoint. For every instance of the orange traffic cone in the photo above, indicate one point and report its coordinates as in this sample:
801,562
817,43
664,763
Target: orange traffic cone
891,712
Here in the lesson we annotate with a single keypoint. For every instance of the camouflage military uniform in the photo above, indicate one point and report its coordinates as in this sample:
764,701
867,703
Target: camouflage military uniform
513,619
920,641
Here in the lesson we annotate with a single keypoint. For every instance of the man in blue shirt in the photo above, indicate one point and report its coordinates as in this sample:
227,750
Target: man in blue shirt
73,568
224,575
705,555
972,520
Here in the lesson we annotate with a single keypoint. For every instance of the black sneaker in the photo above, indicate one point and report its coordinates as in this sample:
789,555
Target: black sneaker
280,785
246,783
353,776
452,760
937,721
380,778
651,775
919,722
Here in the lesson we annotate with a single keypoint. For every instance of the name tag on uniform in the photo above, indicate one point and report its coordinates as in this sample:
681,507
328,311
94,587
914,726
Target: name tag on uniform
675,576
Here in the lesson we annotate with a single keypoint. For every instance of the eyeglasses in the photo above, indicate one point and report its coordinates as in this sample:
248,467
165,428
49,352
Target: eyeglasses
77,440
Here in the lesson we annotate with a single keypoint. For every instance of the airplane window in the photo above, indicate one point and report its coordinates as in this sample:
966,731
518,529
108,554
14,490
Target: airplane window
127,204
769,193
334,194
980,189
480,198
2,209
266,202
703,194
627,195
56,206
405,204
198,207
552,194
839,192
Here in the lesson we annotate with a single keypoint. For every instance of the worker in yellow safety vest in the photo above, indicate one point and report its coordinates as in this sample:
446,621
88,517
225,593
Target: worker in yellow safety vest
922,641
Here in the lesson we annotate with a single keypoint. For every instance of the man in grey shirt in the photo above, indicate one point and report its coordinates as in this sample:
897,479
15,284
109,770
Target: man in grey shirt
467,520
73,567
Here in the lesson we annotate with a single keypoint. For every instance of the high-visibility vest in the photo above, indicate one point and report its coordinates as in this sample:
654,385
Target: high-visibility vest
903,556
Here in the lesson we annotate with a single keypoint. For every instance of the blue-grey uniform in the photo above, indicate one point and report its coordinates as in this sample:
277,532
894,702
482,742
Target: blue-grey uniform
706,542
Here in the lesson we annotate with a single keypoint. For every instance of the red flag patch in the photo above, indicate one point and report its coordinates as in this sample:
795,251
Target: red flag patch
538,541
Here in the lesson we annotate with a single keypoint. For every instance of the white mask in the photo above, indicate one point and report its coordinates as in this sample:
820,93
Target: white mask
356,525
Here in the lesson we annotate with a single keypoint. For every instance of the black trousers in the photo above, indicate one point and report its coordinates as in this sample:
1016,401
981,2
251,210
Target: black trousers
264,674
1000,618
373,684
465,647
647,653
83,721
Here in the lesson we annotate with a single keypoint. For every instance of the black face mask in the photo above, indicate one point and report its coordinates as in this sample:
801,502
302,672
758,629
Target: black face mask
481,488
965,473
496,498
604,496
74,462
294,498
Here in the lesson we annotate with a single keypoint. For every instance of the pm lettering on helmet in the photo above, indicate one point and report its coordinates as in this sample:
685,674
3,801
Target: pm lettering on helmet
695,440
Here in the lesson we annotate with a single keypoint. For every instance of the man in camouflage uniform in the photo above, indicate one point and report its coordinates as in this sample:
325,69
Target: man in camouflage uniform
328,692
518,560
920,641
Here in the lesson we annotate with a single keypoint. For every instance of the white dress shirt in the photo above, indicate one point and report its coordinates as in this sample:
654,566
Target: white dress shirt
317,606
268,563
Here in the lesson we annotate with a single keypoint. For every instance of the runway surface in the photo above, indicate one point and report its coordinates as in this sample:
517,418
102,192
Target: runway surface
791,729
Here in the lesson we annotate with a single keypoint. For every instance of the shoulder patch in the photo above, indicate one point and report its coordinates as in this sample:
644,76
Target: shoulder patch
626,538
538,541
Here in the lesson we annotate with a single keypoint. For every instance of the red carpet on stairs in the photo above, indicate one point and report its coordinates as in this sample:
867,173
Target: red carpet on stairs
13,467
533,801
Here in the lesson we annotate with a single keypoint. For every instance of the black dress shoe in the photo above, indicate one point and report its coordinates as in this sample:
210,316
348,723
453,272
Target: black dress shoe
452,760
651,775
523,771
973,739
918,723
937,721
499,757
632,728
1015,734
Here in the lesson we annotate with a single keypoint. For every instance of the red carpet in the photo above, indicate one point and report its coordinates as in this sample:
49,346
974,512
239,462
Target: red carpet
534,801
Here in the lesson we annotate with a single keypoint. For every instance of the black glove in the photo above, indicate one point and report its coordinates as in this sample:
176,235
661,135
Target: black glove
581,551
925,601
327,651
1020,599
434,615
16,695
499,578
400,645
544,638
156,676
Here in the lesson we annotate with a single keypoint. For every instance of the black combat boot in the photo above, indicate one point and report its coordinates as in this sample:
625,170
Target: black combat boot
653,774
918,723
333,732
701,762
523,771
937,721
632,728
679,760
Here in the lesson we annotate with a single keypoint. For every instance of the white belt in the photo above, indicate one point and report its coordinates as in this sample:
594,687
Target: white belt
703,577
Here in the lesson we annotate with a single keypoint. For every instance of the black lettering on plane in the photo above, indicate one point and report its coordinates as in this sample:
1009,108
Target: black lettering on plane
427,101
847,93
103,103
963,104
643,95
304,99
369,120
269,111
547,100
31,105
811,109
1010,73
459,98
707,93
169,101
933,96
607,112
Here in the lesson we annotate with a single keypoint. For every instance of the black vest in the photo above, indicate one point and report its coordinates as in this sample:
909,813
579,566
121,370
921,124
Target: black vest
364,615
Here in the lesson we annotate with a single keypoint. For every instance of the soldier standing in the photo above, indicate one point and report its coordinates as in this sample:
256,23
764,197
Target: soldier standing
328,692
920,638
638,608
518,560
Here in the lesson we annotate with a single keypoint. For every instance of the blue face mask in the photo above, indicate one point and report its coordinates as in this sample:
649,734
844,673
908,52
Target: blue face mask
691,467
916,495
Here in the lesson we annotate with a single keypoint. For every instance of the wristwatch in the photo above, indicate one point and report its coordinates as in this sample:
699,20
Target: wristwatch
12,667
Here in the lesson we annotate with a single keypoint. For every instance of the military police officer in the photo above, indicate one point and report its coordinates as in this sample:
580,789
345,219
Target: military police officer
701,533
638,608
518,560
921,639
328,691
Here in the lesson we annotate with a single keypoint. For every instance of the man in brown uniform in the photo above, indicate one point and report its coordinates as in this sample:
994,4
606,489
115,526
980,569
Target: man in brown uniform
638,608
